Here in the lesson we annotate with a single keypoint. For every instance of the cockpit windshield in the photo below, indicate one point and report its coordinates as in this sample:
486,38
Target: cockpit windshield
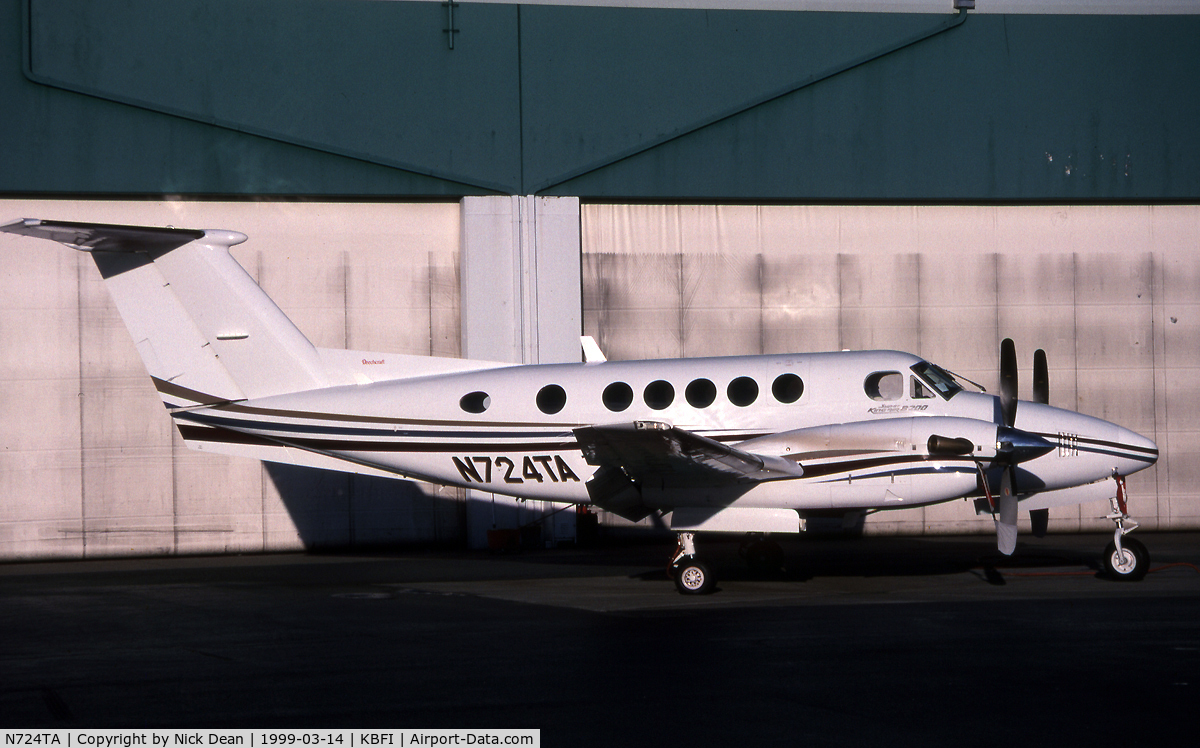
938,378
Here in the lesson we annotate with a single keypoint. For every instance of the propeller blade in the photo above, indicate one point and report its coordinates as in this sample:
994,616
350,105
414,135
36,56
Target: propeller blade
1006,519
1041,378
1008,381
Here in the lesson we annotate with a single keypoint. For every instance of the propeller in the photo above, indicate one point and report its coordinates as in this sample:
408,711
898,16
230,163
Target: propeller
1040,518
1008,382
1015,446
1006,519
1041,378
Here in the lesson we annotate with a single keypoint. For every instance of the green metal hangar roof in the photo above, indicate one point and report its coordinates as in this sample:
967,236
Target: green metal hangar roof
789,100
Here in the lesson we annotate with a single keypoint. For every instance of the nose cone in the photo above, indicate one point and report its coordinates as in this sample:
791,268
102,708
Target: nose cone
1087,449
1135,451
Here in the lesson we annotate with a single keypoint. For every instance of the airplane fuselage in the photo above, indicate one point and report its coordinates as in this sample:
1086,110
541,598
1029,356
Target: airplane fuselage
857,423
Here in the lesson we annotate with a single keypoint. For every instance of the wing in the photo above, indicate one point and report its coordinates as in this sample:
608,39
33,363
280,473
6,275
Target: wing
655,451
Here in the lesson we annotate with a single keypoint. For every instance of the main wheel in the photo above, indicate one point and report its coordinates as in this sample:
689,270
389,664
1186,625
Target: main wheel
693,577
1131,564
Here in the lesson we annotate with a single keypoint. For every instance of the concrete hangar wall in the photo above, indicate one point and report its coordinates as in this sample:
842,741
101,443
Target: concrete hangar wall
733,180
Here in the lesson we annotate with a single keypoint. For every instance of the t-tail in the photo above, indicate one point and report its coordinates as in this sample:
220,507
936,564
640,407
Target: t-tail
206,332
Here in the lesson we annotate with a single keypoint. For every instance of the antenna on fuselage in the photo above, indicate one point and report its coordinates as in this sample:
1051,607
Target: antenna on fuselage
591,350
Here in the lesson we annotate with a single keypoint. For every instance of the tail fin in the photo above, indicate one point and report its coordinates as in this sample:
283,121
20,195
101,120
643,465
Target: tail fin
204,329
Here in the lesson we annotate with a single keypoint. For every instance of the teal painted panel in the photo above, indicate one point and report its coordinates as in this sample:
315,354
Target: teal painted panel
336,97
59,142
369,80
599,83
1026,108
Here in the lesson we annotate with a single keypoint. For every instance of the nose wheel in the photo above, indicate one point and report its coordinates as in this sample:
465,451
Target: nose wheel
1125,559
1127,562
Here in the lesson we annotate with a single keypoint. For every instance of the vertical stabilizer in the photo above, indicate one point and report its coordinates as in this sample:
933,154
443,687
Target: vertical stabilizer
204,329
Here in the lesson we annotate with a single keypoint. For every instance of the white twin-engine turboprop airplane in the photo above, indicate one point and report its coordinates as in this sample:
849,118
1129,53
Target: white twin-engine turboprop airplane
746,444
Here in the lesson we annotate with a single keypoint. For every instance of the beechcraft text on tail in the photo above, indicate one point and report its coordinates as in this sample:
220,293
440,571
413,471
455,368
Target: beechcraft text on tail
742,444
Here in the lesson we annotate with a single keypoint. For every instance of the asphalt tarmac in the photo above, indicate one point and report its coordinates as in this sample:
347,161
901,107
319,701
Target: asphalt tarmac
867,642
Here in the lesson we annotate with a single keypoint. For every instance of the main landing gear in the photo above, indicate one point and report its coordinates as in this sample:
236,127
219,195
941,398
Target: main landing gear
1125,559
691,576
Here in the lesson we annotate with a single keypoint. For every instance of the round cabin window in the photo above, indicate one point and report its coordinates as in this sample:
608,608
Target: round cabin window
617,396
659,394
700,393
787,388
551,399
742,391
475,402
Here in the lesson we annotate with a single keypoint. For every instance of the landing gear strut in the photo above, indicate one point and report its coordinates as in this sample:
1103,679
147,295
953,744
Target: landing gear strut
691,576
1125,559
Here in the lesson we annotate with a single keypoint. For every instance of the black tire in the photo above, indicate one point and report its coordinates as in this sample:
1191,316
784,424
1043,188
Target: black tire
1132,566
692,577
765,557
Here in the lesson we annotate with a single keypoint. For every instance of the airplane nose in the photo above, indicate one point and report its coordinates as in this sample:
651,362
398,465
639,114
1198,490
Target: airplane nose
1138,452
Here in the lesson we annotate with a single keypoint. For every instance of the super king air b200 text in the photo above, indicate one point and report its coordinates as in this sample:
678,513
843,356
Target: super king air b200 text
744,444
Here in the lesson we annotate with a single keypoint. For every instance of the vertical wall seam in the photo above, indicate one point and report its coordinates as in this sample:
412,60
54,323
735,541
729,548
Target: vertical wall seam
174,489
1155,270
762,301
996,296
83,525
350,482
430,279
346,299
682,306
1075,321
1078,511
262,472
841,339
920,319
533,310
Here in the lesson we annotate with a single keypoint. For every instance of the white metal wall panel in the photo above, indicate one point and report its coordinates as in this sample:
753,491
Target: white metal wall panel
91,466
520,260
1111,292
40,459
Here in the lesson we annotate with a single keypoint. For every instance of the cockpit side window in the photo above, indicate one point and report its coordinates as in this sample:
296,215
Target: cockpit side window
885,385
938,379
919,390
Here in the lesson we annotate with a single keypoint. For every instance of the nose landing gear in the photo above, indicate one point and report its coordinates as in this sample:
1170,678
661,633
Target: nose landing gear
1125,559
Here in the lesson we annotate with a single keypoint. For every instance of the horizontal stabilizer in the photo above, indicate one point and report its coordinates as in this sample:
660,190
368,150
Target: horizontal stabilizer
89,237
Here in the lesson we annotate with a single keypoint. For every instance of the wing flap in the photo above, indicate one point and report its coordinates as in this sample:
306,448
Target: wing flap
660,452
